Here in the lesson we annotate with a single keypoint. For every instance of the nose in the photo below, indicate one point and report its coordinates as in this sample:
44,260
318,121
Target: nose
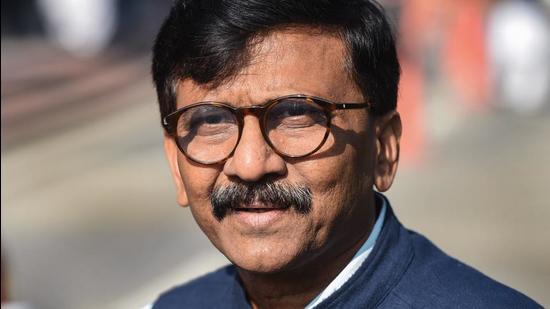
253,158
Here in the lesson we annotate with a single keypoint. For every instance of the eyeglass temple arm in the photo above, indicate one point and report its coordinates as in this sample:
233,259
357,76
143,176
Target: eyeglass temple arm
167,124
351,105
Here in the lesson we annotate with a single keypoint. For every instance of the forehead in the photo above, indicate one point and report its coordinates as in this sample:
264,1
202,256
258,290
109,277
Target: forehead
282,62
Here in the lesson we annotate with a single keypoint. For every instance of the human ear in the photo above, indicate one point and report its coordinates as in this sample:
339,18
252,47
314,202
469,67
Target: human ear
388,134
171,151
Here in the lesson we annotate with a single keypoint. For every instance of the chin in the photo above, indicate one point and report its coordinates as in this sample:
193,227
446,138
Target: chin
263,261
261,268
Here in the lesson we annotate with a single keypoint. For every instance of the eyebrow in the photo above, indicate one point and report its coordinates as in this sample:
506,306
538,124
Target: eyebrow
262,103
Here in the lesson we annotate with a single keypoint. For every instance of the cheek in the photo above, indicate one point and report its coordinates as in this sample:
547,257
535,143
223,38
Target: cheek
337,175
206,221
341,165
198,180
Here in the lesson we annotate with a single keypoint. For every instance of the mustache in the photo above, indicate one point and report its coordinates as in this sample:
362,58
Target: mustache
279,194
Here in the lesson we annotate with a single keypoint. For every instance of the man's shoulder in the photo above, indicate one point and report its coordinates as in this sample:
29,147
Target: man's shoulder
209,290
436,280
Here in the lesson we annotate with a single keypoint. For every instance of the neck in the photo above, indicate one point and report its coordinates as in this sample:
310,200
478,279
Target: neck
297,287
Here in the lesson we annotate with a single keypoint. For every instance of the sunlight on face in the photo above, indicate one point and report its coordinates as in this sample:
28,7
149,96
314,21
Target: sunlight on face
339,175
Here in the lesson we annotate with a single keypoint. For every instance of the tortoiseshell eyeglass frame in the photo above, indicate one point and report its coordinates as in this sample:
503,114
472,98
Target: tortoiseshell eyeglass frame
170,121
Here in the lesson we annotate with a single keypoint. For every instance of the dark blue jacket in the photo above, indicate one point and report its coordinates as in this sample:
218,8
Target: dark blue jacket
404,270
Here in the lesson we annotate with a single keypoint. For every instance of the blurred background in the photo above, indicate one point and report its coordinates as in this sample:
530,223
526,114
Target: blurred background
89,218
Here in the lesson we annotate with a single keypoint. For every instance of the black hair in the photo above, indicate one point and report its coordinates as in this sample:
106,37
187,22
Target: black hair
209,41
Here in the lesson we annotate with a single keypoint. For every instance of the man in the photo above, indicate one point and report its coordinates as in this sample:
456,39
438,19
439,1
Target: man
279,120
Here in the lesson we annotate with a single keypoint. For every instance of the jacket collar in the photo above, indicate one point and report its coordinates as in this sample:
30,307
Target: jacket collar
381,271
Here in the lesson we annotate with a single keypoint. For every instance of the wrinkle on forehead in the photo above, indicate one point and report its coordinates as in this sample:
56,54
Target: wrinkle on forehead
287,61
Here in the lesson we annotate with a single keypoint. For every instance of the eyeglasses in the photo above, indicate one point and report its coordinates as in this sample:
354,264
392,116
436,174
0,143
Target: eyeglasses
294,126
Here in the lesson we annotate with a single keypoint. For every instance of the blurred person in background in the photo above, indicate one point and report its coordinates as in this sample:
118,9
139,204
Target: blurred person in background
477,54
280,120
85,28
519,52
82,27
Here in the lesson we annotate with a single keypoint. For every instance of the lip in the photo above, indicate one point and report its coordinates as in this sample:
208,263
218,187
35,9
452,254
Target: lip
258,218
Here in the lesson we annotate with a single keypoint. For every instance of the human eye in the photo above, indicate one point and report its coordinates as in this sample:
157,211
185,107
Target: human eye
207,121
296,113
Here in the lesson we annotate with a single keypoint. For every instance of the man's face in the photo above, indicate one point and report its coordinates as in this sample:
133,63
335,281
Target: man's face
340,175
